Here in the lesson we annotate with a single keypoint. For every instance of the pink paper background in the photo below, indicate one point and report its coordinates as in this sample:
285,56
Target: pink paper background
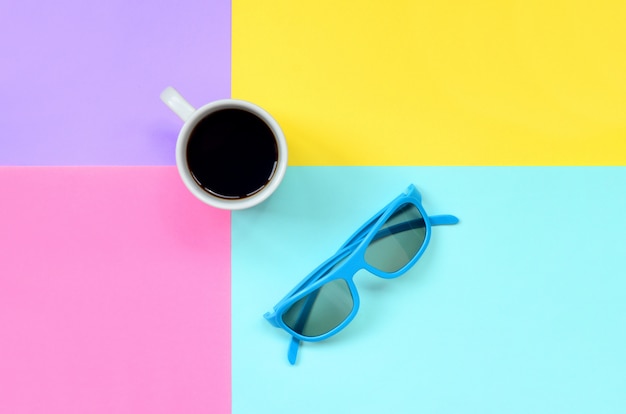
114,293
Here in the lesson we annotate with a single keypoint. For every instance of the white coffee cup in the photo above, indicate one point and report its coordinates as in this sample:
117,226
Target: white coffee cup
230,154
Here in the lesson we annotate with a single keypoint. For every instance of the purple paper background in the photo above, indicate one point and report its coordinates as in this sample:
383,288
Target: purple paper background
80,80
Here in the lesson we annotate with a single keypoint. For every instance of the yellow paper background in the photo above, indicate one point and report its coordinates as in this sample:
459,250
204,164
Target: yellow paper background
437,83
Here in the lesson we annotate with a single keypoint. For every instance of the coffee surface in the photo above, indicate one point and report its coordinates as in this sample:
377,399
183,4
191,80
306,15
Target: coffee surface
232,153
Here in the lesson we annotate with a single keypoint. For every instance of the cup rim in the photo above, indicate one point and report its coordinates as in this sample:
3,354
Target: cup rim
205,196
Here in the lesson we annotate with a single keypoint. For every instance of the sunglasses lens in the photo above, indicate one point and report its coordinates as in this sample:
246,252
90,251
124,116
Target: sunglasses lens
320,311
398,240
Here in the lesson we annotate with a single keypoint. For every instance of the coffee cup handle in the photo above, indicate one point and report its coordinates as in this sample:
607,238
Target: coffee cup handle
177,103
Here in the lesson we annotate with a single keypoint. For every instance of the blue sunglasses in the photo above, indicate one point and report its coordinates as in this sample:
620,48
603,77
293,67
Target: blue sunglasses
387,245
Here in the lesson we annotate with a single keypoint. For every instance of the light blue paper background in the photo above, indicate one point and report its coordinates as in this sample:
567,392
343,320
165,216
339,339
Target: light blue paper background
520,308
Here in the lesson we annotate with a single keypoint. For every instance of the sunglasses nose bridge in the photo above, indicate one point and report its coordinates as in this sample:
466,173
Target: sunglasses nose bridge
354,267
351,268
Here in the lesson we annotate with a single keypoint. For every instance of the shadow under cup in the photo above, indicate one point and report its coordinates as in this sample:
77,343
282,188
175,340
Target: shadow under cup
232,154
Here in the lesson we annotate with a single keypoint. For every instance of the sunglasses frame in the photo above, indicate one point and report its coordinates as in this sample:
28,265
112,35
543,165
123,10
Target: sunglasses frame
352,253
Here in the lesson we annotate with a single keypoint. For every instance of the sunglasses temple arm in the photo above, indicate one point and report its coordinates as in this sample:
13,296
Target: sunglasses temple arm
443,219
302,318
399,228
292,353
413,224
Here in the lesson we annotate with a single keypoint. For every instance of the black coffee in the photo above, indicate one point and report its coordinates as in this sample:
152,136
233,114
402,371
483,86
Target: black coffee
232,153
